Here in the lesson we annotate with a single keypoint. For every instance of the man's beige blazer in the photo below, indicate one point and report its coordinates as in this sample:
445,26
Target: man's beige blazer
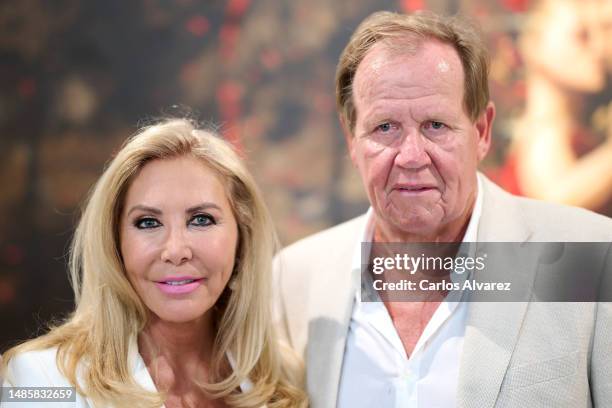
520,354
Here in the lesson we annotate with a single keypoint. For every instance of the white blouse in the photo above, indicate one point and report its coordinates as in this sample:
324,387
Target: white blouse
39,369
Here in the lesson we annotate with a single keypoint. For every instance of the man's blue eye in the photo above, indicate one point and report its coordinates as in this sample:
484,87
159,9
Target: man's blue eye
202,220
436,125
384,127
147,223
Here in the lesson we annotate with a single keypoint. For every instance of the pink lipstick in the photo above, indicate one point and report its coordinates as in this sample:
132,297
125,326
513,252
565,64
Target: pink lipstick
179,285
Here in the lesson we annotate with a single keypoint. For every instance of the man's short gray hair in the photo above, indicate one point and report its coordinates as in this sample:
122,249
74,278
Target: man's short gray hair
407,31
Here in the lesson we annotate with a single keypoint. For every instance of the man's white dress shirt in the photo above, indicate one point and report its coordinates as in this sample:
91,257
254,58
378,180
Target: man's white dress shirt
376,371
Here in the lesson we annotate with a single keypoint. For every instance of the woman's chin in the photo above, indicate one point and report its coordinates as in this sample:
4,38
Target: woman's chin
177,315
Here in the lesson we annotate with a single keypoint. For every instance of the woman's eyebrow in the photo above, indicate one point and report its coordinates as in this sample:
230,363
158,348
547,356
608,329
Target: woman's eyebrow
157,211
202,207
145,208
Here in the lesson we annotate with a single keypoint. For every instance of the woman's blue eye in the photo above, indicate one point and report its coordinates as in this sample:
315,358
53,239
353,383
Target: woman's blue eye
202,220
147,223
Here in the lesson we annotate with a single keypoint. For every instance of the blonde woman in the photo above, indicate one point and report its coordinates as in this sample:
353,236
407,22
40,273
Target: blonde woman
170,265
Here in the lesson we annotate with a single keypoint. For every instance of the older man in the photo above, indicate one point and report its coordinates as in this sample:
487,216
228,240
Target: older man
413,101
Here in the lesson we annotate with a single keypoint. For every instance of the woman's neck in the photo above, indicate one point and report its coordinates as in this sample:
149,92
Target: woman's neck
177,345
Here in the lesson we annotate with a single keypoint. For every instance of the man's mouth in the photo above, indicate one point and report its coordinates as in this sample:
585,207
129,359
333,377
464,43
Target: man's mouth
420,188
414,188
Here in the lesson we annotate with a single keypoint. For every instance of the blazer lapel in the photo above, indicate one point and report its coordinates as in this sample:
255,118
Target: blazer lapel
492,328
140,372
333,288
138,369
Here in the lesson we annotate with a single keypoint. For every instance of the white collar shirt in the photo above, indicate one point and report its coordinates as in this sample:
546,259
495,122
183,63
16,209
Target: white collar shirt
376,370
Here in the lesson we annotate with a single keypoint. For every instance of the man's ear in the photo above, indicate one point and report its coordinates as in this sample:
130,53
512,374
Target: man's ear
484,127
348,138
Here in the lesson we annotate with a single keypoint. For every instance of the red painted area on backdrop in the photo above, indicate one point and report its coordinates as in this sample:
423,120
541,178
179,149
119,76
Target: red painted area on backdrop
231,133
270,59
7,292
26,87
236,8
228,37
13,254
229,96
517,6
519,89
229,92
412,5
197,25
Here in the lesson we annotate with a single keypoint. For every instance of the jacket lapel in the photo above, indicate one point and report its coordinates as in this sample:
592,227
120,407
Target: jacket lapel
333,289
138,369
492,328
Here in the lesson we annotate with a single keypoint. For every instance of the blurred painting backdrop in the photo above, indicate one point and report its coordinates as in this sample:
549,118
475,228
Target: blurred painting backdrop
78,77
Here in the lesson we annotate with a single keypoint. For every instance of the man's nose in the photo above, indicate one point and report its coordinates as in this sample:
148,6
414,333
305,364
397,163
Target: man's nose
412,152
177,249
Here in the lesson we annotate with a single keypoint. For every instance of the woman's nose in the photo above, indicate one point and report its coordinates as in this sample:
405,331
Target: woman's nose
176,248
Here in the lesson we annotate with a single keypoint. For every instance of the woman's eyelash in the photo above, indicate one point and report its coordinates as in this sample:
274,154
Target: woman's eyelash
197,219
203,219
146,223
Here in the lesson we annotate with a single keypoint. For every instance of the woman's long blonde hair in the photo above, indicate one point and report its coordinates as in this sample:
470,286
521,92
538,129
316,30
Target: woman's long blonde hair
109,314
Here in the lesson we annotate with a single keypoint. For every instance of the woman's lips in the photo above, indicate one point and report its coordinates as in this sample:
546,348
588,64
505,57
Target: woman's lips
179,286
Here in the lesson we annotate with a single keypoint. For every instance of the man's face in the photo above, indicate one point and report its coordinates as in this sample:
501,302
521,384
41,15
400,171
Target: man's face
415,147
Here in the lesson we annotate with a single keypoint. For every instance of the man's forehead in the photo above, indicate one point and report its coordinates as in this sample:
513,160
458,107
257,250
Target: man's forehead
429,60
